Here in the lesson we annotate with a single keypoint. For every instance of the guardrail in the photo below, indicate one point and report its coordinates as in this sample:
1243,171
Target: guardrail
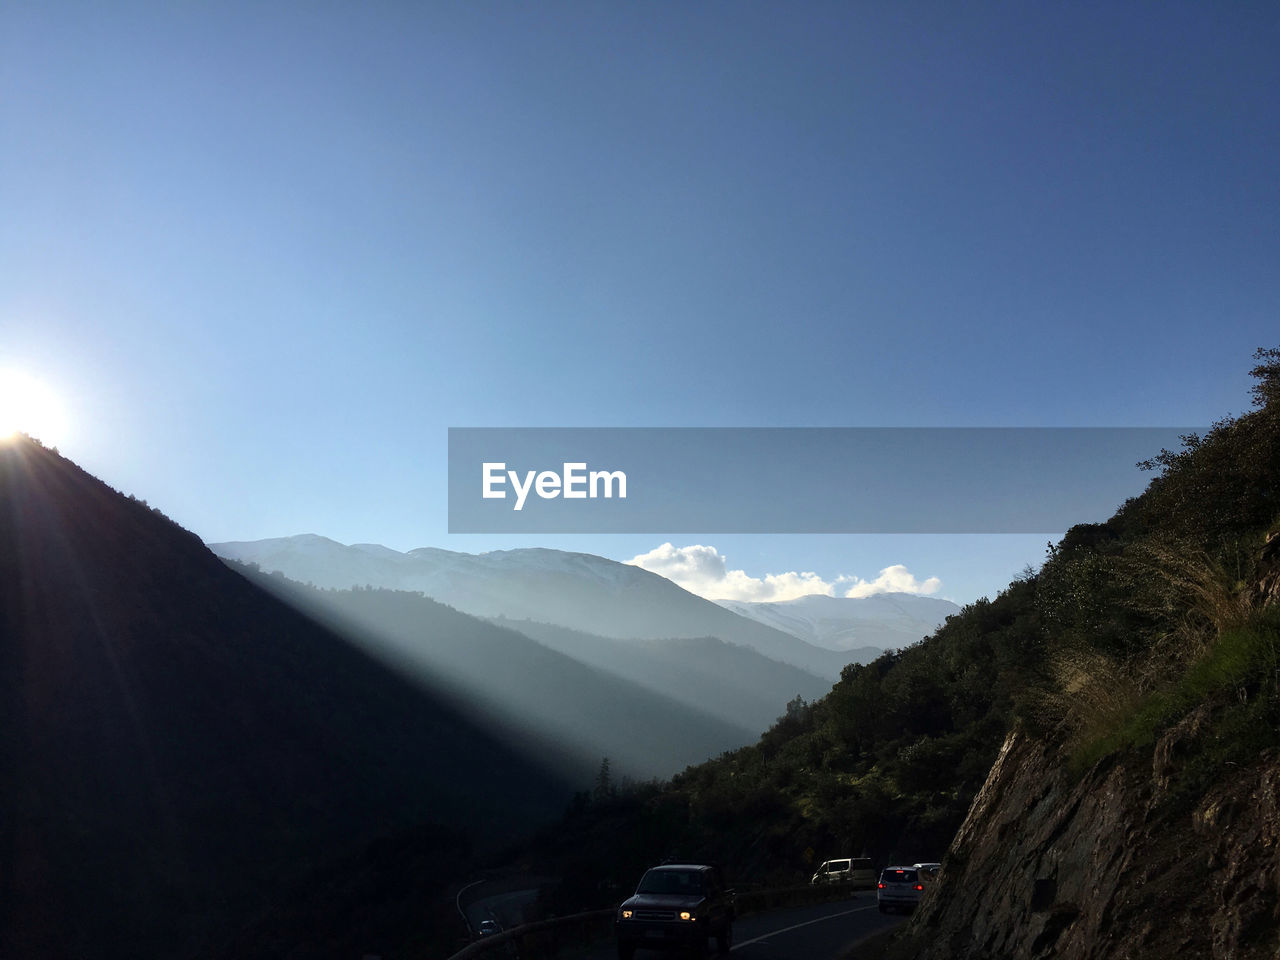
546,939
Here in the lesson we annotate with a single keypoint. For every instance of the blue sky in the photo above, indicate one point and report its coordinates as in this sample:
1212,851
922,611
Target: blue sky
267,254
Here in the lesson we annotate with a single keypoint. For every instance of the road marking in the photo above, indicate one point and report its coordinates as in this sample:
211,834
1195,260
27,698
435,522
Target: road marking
774,933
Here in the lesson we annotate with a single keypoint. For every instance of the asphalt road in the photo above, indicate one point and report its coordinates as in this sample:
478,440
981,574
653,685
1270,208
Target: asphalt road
823,932
506,908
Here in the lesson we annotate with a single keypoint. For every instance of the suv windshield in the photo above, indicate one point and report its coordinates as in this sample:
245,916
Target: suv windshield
671,881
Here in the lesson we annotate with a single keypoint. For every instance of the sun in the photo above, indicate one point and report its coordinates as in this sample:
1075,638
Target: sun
27,405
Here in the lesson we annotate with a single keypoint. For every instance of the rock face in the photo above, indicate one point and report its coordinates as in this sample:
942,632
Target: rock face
1109,865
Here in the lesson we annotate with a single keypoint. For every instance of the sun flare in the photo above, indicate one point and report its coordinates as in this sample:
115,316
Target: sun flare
27,405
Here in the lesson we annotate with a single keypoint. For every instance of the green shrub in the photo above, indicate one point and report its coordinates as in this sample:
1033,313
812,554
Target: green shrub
1240,670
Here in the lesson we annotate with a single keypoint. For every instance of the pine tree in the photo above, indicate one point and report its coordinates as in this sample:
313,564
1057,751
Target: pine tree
604,783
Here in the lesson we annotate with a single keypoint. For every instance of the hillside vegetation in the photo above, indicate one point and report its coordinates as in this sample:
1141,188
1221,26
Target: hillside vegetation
1134,809
1130,627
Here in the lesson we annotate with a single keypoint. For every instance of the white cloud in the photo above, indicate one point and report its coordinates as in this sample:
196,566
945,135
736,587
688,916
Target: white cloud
703,570
894,579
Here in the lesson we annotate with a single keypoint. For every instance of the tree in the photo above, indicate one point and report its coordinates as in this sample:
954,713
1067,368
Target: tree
1267,373
604,789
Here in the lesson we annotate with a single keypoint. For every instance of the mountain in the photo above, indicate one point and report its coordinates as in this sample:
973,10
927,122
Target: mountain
178,747
734,683
586,712
860,626
575,590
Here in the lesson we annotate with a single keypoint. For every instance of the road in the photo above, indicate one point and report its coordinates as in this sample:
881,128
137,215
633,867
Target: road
823,932
506,908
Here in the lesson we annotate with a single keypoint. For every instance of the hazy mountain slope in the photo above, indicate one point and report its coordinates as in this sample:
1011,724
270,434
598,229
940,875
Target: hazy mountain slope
859,626
574,590
177,743
734,683
587,712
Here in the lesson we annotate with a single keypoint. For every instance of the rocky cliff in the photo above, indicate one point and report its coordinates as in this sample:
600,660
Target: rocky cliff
1116,864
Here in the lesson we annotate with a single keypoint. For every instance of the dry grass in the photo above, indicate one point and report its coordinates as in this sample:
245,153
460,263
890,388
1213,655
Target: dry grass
1193,580
1098,701
1092,694
1196,595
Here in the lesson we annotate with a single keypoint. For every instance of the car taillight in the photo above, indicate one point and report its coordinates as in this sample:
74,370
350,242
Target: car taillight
881,884
919,886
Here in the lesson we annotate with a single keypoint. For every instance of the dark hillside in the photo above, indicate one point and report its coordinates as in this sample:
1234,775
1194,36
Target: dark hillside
1138,671
178,744
884,766
1135,810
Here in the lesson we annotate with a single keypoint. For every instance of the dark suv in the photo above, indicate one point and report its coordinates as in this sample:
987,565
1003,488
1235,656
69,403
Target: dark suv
676,904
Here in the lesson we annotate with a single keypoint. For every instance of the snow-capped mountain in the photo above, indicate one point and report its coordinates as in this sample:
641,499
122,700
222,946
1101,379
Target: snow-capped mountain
575,590
852,624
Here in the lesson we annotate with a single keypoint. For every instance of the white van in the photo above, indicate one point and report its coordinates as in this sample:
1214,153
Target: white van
858,871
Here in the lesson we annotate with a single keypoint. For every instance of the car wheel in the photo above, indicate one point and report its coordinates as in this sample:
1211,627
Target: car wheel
724,942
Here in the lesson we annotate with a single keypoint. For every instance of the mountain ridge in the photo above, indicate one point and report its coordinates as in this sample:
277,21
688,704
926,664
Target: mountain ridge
864,626
179,746
575,590
734,682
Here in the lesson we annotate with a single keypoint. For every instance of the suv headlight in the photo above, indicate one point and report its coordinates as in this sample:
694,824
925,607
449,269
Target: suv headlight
626,914
686,915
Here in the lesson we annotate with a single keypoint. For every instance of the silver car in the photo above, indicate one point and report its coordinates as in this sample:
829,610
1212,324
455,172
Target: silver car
899,889
928,871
